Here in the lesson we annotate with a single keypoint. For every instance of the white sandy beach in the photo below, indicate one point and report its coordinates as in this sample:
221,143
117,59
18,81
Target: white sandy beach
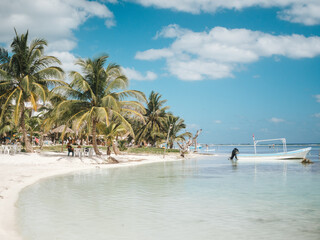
21,170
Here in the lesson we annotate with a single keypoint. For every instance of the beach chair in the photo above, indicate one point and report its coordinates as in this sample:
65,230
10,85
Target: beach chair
78,152
7,149
2,149
13,149
18,148
90,152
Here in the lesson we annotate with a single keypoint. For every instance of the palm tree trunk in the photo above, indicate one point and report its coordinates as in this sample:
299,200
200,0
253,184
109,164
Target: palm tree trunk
25,139
41,140
62,145
115,149
94,138
108,150
31,137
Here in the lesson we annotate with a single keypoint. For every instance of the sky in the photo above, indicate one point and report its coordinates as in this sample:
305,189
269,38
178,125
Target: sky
232,68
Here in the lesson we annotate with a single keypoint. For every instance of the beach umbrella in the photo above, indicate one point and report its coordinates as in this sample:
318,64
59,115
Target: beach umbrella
61,128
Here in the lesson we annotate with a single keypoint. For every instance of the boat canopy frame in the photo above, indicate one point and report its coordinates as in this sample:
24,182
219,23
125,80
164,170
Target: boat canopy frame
283,140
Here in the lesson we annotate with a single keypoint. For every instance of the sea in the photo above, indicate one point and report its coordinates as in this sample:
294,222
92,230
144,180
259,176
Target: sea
204,198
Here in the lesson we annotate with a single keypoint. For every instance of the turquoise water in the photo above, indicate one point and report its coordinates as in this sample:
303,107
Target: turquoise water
206,198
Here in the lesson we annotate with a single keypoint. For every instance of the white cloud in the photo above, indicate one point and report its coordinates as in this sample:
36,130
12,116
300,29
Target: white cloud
298,11
305,13
110,23
68,60
192,126
218,52
317,98
197,69
276,120
218,121
317,115
133,74
53,20
153,54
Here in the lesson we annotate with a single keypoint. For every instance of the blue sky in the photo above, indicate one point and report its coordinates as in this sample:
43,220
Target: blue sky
230,68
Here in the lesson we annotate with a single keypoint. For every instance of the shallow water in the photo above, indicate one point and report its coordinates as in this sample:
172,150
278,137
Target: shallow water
208,198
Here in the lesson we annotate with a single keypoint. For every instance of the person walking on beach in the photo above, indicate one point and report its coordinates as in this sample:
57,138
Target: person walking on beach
234,153
70,149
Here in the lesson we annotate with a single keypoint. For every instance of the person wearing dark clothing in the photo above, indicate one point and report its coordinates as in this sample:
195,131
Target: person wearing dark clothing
70,149
234,153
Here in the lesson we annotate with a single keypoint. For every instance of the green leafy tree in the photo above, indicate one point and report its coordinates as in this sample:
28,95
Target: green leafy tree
26,75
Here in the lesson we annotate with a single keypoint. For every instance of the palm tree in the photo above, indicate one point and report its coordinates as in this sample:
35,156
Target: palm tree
32,123
99,95
177,125
6,123
48,114
155,117
26,75
110,134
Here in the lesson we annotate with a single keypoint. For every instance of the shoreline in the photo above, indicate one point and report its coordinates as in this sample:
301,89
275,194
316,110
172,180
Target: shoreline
22,170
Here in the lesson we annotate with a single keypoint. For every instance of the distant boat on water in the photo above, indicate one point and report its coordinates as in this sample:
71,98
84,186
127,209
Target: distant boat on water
285,155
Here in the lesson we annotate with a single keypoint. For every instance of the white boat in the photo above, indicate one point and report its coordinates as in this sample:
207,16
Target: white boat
285,155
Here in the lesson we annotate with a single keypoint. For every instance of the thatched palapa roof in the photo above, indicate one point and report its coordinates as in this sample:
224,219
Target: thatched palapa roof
61,128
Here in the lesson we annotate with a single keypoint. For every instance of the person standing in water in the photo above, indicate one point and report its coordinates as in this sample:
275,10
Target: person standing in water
234,153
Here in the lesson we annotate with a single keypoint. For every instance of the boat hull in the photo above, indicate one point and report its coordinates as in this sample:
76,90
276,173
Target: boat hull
297,154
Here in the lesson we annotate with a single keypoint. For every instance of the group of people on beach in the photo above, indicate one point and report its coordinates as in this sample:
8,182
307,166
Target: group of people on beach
71,149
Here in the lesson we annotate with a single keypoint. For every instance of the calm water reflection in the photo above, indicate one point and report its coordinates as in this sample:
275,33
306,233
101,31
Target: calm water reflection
209,198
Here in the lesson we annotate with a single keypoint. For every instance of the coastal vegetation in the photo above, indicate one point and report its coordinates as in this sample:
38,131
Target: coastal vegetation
97,108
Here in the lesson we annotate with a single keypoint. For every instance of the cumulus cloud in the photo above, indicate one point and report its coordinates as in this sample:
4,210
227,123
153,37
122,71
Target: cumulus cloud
133,74
217,53
305,12
54,20
154,54
317,98
68,61
276,120
218,121
317,115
